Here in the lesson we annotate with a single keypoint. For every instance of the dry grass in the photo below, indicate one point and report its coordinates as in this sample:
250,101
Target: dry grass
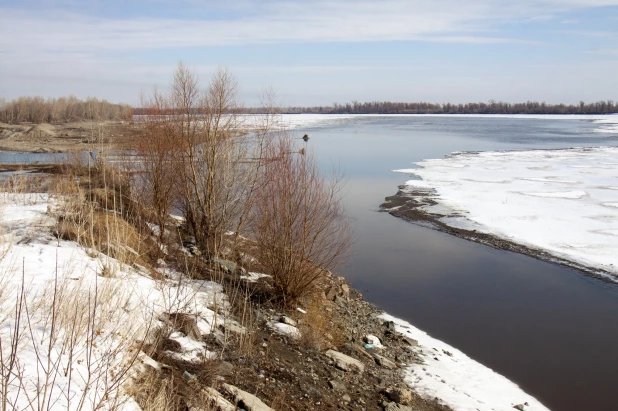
319,326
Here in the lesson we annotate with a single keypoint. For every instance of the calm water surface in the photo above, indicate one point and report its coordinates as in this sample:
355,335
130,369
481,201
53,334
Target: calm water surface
550,329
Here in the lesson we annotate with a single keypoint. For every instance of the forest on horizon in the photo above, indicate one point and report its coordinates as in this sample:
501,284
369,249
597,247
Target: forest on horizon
36,109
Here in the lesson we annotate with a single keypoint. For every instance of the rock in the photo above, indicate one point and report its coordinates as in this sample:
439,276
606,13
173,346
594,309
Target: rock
384,362
225,369
185,323
399,395
340,301
287,320
373,340
248,401
410,341
344,362
235,328
346,398
188,377
397,407
218,401
519,407
225,265
330,293
390,326
356,350
337,385
345,291
285,330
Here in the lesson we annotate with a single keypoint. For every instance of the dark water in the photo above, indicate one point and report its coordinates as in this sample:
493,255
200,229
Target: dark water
550,329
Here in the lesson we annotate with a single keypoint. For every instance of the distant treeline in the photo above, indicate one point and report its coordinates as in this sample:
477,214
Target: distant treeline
491,107
63,109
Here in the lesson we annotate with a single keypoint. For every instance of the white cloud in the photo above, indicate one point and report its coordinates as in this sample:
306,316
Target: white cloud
276,22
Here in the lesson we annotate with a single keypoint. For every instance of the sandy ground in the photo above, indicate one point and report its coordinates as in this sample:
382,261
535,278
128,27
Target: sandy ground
64,137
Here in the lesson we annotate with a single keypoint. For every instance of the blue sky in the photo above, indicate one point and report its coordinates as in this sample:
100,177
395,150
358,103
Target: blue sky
316,52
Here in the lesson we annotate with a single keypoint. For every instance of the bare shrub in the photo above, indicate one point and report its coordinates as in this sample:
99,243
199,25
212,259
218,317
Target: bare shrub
319,326
298,221
195,150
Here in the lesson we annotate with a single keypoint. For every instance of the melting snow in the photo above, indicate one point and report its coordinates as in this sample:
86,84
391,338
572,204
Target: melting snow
561,201
456,379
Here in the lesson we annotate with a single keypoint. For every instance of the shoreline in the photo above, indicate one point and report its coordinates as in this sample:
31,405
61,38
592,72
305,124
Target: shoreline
408,205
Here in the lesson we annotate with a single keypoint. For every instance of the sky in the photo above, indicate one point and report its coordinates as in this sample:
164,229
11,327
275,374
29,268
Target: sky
315,52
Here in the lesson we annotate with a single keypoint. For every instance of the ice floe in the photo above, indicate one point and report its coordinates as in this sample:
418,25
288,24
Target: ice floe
564,202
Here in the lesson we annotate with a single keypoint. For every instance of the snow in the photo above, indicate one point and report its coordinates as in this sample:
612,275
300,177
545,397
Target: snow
564,202
128,305
253,277
285,329
456,379
190,350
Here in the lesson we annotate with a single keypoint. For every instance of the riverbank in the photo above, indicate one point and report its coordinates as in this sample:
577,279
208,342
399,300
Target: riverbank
65,137
145,329
216,326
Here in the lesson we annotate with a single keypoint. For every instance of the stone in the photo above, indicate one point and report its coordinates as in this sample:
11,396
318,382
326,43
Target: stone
390,326
346,398
330,293
344,362
225,265
225,369
397,407
410,341
399,395
340,301
185,323
188,377
519,407
287,320
384,362
373,340
247,401
235,328
345,291
337,385
217,400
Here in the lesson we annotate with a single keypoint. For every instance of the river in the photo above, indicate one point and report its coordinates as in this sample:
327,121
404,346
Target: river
550,329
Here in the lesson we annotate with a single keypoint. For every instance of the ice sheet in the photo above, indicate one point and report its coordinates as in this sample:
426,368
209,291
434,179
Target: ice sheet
607,124
560,201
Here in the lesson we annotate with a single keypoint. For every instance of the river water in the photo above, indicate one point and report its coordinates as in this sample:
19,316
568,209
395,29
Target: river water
551,329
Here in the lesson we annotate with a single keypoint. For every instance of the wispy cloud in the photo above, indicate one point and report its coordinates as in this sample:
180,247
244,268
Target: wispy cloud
100,40
274,22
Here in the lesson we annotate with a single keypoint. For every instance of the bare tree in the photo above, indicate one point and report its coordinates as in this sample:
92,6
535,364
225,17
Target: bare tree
157,150
299,223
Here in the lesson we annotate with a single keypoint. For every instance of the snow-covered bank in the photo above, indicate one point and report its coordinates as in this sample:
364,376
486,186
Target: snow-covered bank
564,202
456,379
82,314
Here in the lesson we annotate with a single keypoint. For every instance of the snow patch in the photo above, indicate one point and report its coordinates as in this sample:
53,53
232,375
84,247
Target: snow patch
456,379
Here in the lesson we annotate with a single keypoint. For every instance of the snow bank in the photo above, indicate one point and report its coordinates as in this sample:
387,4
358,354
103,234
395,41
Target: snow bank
99,317
456,379
560,201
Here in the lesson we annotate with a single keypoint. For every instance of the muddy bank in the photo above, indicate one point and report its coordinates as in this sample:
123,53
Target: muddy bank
410,205
65,137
